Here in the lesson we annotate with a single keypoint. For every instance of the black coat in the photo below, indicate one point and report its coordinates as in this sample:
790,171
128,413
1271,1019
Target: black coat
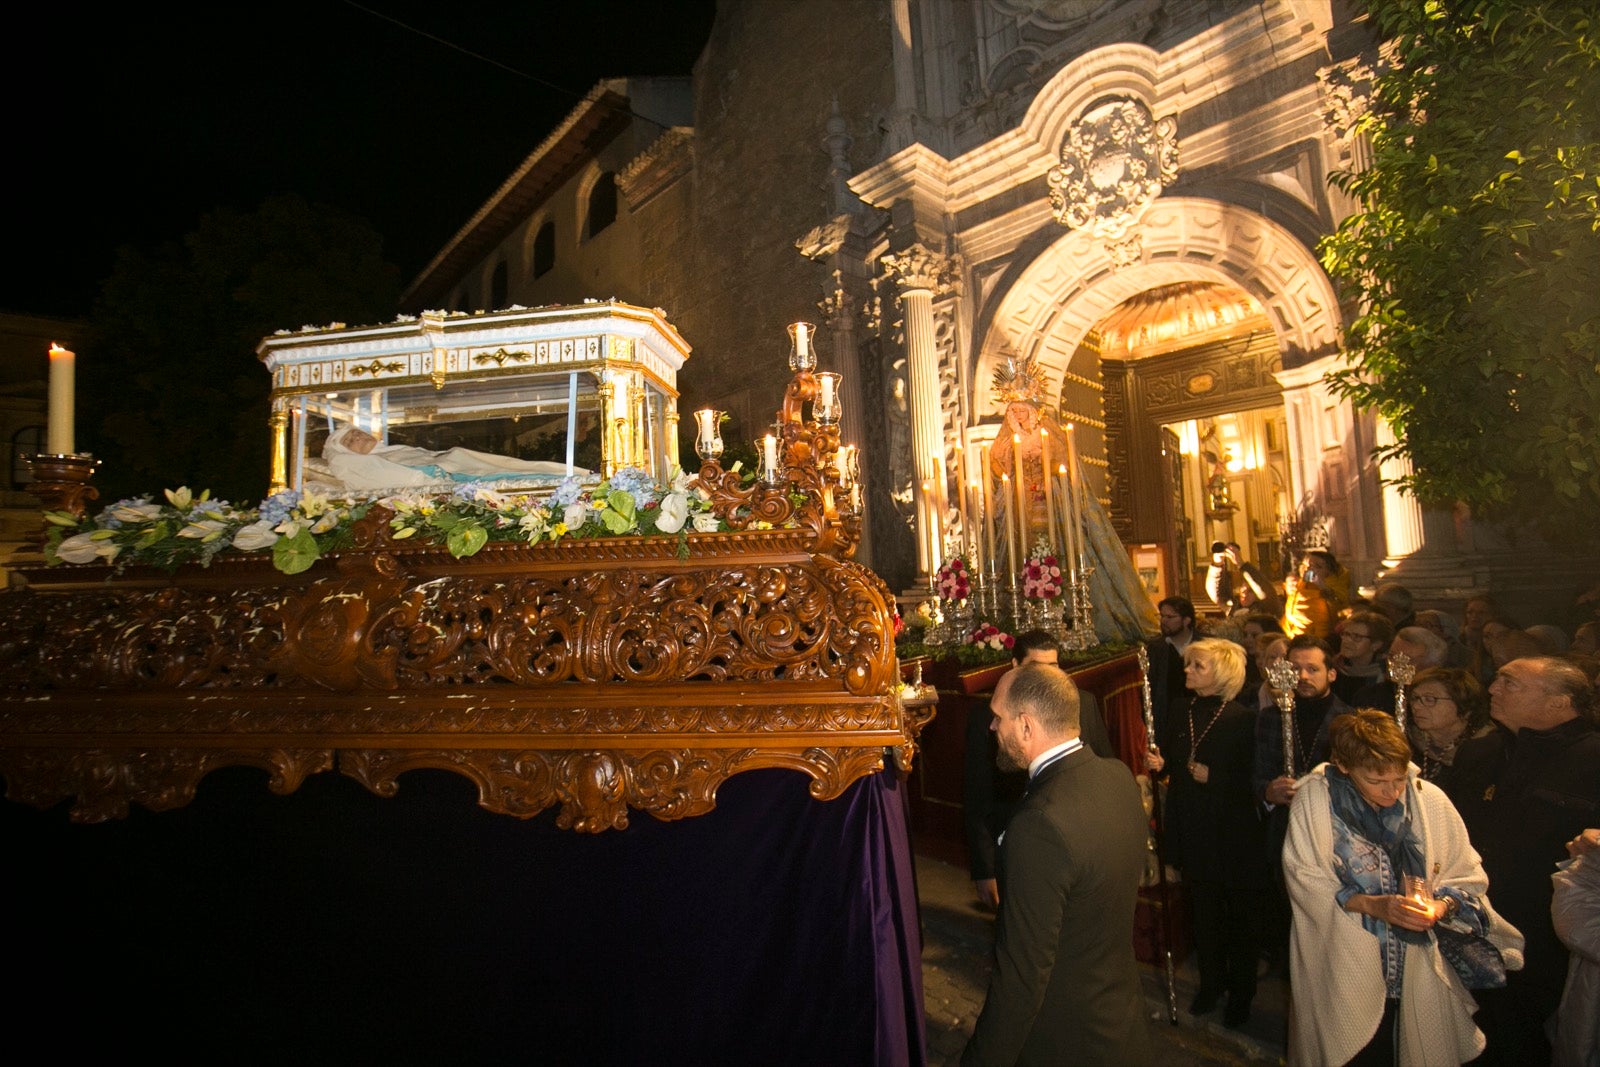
1523,798
1212,831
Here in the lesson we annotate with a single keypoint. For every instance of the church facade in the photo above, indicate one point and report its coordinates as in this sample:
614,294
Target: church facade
1128,193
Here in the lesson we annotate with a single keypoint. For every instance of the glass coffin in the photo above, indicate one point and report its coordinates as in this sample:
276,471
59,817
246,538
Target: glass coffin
518,400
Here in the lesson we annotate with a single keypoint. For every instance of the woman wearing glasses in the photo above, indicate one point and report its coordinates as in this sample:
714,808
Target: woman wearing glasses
1447,707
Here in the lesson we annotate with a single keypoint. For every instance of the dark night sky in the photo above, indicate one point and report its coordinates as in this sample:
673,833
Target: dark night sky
127,125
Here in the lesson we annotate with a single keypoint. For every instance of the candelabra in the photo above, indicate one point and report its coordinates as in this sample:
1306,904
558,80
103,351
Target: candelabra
1082,635
808,479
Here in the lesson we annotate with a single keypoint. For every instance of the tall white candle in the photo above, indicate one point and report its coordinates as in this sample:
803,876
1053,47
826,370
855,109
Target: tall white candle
1049,487
1011,522
802,344
769,451
1069,539
825,390
59,428
1075,480
1019,504
989,518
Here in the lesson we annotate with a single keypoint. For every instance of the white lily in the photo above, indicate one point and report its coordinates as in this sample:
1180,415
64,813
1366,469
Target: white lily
204,530
256,536
673,514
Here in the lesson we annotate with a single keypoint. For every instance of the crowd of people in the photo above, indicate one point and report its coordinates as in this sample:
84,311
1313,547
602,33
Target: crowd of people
1414,841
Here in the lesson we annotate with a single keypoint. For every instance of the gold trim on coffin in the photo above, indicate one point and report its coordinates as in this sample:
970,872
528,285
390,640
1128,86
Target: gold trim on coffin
602,676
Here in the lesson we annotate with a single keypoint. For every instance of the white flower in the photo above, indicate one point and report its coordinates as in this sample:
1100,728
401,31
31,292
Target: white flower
705,522
79,548
204,530
180,497
256,536
328,521
574,516
134,512
673,514
681,480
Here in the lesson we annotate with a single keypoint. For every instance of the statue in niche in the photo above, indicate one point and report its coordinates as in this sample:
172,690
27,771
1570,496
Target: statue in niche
1021,385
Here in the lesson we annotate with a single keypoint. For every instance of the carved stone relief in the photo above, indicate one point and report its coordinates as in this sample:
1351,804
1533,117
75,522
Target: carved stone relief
1114,162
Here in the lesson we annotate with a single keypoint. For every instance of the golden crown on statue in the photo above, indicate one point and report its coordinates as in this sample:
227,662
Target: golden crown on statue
1020,380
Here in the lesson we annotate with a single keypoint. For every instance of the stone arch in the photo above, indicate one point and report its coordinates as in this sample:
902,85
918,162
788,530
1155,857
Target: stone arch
1049,303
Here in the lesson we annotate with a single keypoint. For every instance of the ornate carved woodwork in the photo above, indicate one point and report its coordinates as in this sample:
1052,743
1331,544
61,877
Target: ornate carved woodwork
604,676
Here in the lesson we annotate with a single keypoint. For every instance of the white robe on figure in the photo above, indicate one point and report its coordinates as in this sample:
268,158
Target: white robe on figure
400,466
1335,969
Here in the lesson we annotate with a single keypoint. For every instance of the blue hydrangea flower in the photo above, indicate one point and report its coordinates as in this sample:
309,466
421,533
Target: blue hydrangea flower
636,482
277,507
567,492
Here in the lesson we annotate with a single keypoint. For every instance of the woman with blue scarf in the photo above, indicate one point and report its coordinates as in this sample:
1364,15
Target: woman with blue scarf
1375,859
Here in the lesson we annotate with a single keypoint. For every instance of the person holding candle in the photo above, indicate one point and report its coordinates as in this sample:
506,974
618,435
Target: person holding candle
1375,858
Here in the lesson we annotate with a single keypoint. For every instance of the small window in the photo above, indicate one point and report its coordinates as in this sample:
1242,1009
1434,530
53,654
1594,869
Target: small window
544,250
603,203
498,287
28,441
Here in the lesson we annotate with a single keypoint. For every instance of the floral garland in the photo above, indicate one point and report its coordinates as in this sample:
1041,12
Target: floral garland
952,579
1041,574
299,528
992,637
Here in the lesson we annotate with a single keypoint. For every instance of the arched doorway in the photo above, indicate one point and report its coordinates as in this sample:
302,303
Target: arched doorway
1168,358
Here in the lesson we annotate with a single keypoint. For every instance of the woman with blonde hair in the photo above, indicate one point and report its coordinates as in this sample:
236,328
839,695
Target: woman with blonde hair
1376,860
1212,832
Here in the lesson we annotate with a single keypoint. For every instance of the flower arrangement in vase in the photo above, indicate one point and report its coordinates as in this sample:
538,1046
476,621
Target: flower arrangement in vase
952,580
990,636
1041,574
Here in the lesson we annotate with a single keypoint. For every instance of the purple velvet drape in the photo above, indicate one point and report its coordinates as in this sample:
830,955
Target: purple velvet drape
334,926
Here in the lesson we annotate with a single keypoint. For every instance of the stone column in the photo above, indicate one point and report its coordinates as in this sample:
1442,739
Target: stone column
921,273
1402,517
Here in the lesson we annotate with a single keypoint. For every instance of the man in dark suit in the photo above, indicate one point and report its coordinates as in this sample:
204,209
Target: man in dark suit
990,795
1065,987
1167,682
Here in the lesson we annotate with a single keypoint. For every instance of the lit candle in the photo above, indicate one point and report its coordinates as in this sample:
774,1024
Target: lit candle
1068,540
1075,479
935,529
982,519
769,450
802,344
988,504
58,434
1011,520
1049,486
824,389
1019,504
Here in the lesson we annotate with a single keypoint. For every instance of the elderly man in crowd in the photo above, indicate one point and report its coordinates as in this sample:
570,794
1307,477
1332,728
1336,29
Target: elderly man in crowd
1424,648
1065,986
1524,791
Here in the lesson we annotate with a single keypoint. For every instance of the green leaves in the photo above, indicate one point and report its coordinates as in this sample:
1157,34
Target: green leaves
1475,262
297,553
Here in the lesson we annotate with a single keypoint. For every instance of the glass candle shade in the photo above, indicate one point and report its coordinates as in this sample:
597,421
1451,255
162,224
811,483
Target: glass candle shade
771,469
802,346
708,434
826,407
